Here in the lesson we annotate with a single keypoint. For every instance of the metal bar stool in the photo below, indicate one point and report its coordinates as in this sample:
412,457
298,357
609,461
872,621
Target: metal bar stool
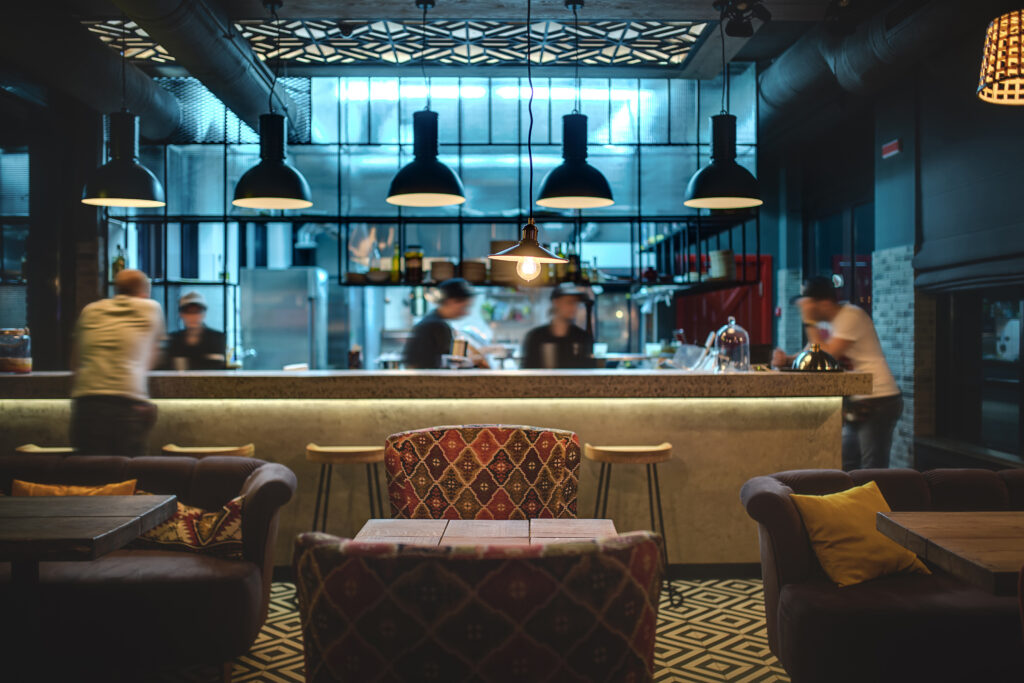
329,456
649,456
246,451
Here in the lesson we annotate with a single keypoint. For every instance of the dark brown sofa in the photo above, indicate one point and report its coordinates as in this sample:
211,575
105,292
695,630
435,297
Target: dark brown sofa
141,610
896,628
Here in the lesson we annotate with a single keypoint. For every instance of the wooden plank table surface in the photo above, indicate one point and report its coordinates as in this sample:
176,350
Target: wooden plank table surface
982,548
443,532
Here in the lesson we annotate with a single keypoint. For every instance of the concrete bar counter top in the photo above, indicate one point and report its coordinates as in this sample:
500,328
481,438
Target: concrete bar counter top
362,384
724,429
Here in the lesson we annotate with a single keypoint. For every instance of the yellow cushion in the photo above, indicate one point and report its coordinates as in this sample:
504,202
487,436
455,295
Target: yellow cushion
28,488
849,547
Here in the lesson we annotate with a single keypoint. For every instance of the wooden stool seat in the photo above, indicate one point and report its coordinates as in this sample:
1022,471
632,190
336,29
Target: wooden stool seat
246,451
629,455
344,455
32,448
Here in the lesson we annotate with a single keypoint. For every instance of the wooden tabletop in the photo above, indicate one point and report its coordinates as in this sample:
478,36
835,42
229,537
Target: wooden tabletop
435,532
62,528
983,548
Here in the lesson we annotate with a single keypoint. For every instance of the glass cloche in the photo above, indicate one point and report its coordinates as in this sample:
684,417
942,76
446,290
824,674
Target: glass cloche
732,348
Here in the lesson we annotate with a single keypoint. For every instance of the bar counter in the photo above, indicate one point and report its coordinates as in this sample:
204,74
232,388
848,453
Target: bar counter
724,430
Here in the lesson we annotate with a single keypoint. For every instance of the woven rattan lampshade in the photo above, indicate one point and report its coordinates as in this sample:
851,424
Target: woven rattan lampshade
1002,73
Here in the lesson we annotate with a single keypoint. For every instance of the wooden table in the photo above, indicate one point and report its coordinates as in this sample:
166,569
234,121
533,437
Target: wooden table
443,532
983,548
69,528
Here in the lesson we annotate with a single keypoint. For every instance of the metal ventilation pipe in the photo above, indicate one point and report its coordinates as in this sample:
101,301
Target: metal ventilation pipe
866,60
62,54
204,41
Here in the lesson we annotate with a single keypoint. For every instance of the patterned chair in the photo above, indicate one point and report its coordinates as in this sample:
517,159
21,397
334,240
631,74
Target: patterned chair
574,612
483,472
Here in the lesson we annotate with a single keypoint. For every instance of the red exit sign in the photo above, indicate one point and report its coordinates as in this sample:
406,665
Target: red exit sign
892,148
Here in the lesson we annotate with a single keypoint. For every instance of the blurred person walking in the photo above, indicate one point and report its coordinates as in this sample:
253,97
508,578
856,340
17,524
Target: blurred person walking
116,343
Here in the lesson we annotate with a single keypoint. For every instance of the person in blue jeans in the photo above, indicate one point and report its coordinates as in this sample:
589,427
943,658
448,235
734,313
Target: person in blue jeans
846,332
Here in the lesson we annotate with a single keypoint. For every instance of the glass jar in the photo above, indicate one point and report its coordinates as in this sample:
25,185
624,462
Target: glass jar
732,348
15,350
414,264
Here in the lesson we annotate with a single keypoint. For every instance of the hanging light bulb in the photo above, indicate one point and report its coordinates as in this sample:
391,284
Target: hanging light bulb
723,183
273,183
575,184
1002,73
528,253
123,181
425,181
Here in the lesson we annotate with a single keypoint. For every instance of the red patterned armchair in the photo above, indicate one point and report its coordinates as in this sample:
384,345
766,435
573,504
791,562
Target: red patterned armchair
574,612
483,472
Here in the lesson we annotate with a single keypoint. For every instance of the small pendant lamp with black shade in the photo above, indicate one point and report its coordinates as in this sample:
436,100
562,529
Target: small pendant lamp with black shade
425,181
273,183
123,181
575,184
723,183
1002,72
528,254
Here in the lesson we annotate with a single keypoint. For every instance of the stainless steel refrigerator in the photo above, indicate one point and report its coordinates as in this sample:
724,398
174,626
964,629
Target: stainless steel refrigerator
284,317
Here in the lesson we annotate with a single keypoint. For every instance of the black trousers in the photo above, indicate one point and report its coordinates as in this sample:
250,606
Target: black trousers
111,425
867,431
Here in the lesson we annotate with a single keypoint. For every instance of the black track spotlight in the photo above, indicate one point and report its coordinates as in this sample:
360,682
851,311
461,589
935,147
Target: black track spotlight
737,15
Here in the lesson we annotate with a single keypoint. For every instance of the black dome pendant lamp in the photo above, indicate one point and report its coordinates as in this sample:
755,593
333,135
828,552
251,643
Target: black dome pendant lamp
723,183
575,184
425,181
528,254
123,181
273,183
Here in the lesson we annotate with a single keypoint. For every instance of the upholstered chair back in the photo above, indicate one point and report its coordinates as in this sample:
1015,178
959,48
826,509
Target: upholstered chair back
483,472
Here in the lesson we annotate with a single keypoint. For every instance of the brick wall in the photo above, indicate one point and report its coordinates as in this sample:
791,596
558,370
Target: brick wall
893,308
790,330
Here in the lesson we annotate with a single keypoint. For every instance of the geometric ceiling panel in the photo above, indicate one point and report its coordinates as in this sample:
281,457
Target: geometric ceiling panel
453,42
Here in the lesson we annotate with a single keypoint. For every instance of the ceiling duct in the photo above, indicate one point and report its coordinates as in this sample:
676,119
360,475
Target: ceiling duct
204,41
821,62
76,62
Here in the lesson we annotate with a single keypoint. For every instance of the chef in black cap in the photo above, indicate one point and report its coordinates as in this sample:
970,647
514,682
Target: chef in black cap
196,347
432,336
561,343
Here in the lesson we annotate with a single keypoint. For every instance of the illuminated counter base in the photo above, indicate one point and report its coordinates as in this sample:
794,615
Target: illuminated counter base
719,444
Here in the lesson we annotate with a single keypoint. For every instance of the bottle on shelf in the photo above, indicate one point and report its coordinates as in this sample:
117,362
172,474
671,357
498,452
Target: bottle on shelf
573,271
414,264
118,264
374,255
561,269
396,265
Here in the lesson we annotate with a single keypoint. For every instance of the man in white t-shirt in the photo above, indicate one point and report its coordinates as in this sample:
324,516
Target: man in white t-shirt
846,332
116,344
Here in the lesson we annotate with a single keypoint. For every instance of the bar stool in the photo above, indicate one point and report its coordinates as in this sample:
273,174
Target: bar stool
631,455
246,451
329,456
32,448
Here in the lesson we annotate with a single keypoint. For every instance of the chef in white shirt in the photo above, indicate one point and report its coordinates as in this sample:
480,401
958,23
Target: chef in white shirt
846,332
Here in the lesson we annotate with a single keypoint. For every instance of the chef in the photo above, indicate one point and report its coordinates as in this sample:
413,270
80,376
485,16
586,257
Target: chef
196,347
432,336
561,343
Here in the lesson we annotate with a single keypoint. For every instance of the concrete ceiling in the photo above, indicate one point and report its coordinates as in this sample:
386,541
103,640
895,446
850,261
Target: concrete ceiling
639,10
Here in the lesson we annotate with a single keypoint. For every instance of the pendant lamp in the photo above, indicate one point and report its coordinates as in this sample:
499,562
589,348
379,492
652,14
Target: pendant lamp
273,183
528,254
723,183
425,181
123,181
575,184
1002,74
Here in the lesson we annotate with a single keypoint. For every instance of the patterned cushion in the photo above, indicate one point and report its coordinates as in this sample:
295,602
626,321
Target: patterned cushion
483,472
559,612
192,529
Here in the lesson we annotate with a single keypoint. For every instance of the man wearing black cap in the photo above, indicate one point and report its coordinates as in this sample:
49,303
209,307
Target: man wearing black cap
846,332
561,343
432,336
197,347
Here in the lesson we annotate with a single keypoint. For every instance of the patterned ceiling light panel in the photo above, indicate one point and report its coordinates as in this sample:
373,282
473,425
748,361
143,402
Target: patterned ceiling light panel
494,614
453,43
483,472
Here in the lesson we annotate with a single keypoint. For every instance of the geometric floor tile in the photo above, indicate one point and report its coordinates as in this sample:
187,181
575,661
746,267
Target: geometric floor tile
717,635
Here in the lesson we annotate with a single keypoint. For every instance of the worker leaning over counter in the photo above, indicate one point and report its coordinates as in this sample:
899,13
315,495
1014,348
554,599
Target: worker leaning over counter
561,343
432,336
197,347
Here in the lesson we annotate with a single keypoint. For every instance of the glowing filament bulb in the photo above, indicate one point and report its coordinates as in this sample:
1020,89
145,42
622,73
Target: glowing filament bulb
528,268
